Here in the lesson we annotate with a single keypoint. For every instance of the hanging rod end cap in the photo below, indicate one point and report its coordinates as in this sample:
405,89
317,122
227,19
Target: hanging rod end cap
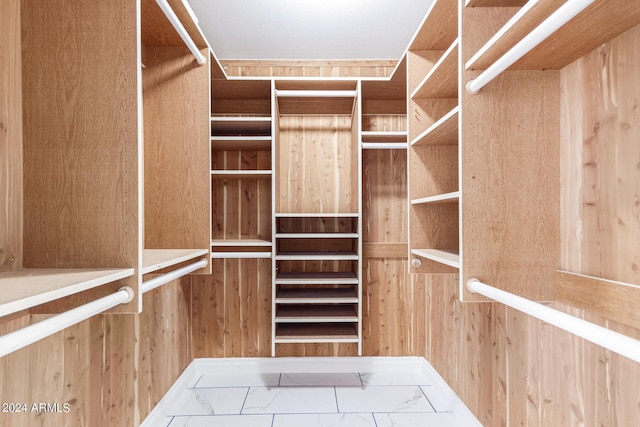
470,284
130,292
469,89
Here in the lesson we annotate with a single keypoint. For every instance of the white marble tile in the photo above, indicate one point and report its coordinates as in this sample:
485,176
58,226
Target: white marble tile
166,421
382,399
441,400
223,421
318,379
291,400
422,420
396,378
324,420
239,380
209,401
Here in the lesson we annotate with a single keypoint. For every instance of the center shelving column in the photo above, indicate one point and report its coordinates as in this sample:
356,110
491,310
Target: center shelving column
317,259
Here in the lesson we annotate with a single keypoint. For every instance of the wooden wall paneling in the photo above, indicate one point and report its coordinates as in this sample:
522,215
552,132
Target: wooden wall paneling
11,155
165,342
314,164
81,138
232,310
177,151
600,128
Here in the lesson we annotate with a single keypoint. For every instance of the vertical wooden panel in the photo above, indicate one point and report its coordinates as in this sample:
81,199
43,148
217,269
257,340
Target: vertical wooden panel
176,149
10,137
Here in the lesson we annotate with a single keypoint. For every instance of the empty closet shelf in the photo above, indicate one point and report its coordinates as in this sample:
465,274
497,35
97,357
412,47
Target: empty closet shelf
316,235
442,132
317,278
240,255
370,136
239,242
345,295
156,259
240,126
26,288
316,256
315,333
240,143
316,313
449,257
239,174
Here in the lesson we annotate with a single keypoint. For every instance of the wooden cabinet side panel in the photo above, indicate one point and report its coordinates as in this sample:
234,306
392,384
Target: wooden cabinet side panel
176,150
80,105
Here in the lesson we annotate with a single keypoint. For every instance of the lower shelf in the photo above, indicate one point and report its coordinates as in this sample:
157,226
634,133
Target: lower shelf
316,313
448,257
317,278
316,333
346,295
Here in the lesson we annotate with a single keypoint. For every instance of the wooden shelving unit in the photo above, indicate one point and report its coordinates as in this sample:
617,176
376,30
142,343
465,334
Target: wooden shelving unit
242,159
316,289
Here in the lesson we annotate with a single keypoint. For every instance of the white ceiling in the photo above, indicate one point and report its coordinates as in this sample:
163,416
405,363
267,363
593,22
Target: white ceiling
309,29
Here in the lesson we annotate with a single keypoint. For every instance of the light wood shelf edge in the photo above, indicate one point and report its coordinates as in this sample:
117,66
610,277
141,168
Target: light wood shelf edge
444,256
442,132
444,74
452,197
26,288
157,259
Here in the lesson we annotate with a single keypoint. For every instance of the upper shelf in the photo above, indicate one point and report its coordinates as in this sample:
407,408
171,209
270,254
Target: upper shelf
26,288
156,259
442,132
442,80
439,27
318,97
570,42
240,126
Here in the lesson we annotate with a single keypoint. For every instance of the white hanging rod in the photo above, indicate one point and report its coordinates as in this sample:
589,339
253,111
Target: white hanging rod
557,19
28,335
316,93
182,32
384,145
614,341
151,284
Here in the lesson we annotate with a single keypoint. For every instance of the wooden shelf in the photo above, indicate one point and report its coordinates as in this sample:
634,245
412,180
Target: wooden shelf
442,132
384,146
439,28
495,3
316,313
453,197
240,174
26,288
315,333
448,257
316,235
317,278
240,143
316,256
240,255
442,80
570,42
240,242
156,259
316,215
345,295
240,126
370,136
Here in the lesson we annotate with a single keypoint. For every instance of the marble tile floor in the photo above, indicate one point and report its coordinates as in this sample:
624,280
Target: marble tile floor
360,392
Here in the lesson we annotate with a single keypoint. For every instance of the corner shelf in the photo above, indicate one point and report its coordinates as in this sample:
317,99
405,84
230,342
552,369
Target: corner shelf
442,80
442,132
448,257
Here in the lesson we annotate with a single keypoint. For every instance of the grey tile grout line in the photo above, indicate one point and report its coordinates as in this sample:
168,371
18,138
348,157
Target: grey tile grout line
279,379
425,396
373,415
361,382
273,419
197,382
335,393
171,422
245,400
